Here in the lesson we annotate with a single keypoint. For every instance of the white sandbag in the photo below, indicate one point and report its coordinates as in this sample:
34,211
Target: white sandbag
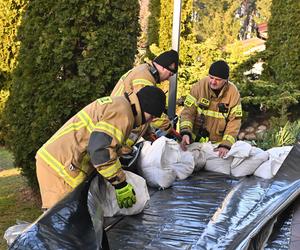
269,168
198,155
110,205
161,162
215,163
150,167
240,149
182,162
242,166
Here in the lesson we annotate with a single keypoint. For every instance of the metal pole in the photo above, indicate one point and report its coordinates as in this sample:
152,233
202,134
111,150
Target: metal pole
175,46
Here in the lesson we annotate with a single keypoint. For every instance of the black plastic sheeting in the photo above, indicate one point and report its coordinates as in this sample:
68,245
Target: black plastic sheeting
252,204
281,233
68,225
205,211
211,211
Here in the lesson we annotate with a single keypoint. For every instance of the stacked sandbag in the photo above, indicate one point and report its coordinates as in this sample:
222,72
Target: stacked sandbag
269,168
241,160
163,161
215,163
246,158
198,155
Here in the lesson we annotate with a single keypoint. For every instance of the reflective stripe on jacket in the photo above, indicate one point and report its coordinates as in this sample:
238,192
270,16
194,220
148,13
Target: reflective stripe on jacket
223,127
133,81
65,150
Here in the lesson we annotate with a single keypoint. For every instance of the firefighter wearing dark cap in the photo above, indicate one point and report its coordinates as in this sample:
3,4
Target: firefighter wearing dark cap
212,111
99,130
161,69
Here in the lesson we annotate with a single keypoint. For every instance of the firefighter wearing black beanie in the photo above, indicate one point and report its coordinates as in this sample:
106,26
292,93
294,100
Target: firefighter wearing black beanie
212,110
169,60
219,69
152,100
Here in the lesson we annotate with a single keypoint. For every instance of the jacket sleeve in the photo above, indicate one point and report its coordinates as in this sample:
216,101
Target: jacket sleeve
189,113
234,121
163,123
104,144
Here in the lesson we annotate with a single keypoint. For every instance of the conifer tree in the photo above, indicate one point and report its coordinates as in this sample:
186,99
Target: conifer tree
264,10
10,18
283,45
216,20
153,21
71,53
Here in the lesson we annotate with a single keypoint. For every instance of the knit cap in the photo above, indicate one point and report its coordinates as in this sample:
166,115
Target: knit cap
169,60
152,100
219,69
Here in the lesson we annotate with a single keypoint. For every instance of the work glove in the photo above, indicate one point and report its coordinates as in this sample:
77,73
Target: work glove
125,195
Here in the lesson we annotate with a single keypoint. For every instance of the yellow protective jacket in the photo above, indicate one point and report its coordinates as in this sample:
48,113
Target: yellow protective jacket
133,81
101,128
221,114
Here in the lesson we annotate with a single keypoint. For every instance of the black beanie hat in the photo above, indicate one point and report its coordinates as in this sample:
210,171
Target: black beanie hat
152,100
219,69
166,59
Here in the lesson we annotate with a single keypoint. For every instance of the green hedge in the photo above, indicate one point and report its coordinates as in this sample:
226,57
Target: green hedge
283,43
10,18
277,91
71,53
153,22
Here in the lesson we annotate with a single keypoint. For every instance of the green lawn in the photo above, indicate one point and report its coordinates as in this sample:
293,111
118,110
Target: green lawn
16,200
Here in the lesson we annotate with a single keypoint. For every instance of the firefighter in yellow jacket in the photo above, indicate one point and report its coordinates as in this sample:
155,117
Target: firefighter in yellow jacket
161,69
99,130
212,111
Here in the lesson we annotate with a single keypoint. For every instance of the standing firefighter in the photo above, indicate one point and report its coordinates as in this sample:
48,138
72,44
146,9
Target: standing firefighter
161,69
100,130
212,111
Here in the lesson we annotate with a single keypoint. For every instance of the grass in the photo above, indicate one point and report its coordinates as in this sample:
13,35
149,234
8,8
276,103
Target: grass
17,202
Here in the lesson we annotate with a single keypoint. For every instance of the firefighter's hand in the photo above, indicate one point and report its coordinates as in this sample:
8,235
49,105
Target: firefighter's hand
125,195
222,151
184,142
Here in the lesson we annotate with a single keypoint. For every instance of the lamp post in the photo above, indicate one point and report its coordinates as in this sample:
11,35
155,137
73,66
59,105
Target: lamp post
175,46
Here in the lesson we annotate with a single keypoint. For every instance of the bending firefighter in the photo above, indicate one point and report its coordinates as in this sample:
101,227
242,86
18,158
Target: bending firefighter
161,69
212,111
99,130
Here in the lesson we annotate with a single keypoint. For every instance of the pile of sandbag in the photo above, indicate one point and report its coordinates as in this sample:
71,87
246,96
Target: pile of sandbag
163,161
269,168
241,160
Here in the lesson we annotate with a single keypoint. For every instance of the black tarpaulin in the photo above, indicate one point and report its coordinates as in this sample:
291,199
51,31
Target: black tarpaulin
212,211
66,226
252,204
205,211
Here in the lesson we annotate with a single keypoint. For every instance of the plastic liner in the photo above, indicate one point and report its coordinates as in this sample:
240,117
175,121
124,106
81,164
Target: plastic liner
205,211
252,204
281,234
212,211
175,217
68,225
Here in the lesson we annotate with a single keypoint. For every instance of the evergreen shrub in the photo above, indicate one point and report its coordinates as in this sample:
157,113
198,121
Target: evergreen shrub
11,12
71,53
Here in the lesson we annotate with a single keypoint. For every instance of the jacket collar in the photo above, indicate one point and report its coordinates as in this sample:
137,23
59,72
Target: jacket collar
223,90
